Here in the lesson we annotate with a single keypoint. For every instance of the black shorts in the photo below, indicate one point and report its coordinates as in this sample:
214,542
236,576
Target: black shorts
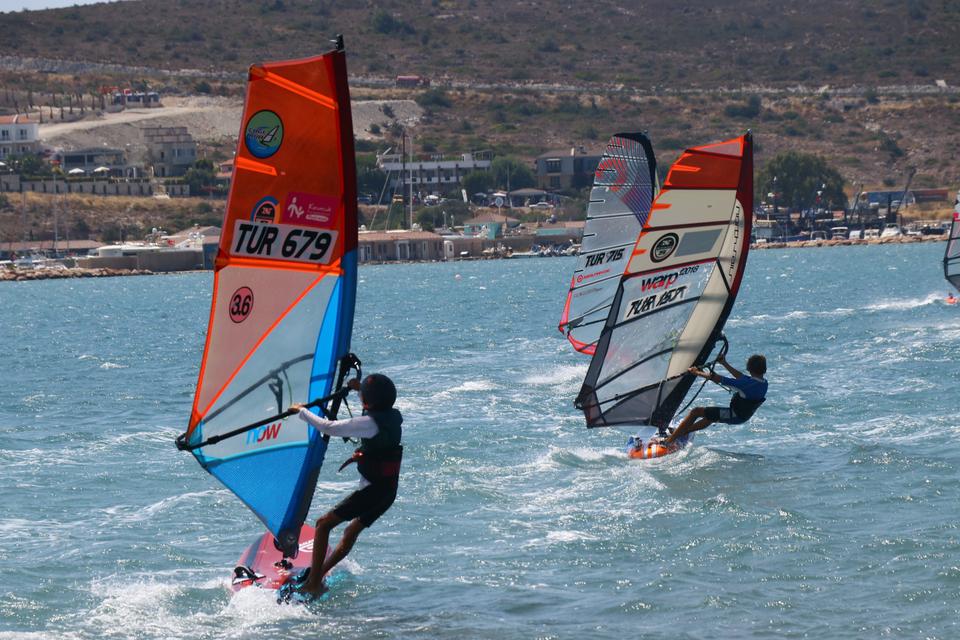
724,415
368,503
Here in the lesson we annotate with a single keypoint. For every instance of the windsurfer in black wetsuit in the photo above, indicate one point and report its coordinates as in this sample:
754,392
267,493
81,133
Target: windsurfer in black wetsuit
378,461
751,391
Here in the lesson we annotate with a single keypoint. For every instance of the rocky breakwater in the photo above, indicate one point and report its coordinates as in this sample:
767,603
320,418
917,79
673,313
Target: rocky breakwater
845,242
50,273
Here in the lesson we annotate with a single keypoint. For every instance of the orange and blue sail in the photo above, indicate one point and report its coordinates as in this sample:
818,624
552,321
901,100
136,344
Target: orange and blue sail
284,290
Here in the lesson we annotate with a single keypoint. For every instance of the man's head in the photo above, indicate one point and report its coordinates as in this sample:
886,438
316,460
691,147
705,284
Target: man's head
378,392
757,365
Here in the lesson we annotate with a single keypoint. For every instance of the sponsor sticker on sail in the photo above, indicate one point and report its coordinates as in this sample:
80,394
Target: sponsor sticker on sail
310,209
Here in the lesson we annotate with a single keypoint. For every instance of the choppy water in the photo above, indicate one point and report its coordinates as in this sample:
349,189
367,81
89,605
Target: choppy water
832,514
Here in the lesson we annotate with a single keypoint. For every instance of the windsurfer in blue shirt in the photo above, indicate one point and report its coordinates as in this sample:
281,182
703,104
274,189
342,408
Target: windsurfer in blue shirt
378,461
751,391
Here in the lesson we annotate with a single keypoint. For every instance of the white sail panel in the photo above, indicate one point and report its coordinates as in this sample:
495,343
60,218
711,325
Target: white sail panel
623,190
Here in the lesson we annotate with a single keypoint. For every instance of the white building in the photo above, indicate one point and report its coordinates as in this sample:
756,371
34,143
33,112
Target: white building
18,135
435,173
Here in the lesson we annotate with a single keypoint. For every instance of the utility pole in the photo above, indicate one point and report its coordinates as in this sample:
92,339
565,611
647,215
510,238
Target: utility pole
410,218
403,168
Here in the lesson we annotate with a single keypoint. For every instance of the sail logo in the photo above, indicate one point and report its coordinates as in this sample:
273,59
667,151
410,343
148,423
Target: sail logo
265,210
659,282
263,134
310,209
737,223
663,248
581,277
264,433
640,306
611,171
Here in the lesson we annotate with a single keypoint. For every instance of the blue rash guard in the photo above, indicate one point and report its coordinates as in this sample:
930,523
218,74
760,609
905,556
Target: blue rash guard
750,394
747,386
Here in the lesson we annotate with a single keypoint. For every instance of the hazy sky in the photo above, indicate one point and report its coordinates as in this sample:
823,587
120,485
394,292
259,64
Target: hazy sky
17,5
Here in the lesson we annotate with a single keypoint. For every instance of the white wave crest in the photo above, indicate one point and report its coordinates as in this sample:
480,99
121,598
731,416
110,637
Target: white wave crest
557,375
902,305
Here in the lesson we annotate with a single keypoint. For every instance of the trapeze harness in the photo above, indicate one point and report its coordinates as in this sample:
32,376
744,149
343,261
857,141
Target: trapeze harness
378,458
744,408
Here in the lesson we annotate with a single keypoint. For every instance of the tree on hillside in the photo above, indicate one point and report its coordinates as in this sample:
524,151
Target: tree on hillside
477,181
796,178
432,217
202,174
30,164
511,173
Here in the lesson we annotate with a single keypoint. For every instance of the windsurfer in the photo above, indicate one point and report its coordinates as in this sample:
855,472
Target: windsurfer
751,391
378,461
950,299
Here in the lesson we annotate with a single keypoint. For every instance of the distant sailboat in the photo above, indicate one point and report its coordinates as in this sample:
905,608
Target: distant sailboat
951,257
682,271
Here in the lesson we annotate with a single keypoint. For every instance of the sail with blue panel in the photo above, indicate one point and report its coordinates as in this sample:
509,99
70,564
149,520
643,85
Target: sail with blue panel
283,292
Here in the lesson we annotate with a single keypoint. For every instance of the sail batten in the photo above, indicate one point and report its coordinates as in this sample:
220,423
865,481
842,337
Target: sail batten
676,291
284,289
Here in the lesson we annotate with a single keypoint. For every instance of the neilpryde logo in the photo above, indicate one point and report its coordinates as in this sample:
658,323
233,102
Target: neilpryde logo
663,247
263,134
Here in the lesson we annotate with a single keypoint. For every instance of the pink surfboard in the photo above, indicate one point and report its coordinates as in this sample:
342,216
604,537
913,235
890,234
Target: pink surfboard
260,563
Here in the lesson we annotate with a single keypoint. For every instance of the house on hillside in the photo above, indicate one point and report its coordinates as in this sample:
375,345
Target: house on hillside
384,246
19,135
434,173
89,160
571,168
170,150
412,82
489,225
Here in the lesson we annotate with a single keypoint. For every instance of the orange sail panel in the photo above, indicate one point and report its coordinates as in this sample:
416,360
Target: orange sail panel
284,289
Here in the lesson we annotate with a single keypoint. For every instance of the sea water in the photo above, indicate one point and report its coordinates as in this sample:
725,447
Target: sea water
831,514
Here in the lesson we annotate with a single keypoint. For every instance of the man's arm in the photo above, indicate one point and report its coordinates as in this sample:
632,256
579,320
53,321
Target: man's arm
729,367
359,427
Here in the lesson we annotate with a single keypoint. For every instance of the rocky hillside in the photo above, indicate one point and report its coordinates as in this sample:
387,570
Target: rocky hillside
856,82
643,44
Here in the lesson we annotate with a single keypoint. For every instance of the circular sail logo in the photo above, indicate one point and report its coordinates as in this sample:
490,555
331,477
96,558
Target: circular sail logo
265,210
263,134
663,247
241,304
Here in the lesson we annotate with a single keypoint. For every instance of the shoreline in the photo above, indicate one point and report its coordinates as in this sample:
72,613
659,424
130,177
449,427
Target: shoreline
803,244
17,274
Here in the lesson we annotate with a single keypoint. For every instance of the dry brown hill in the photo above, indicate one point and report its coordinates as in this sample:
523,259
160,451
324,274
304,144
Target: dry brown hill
643,44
